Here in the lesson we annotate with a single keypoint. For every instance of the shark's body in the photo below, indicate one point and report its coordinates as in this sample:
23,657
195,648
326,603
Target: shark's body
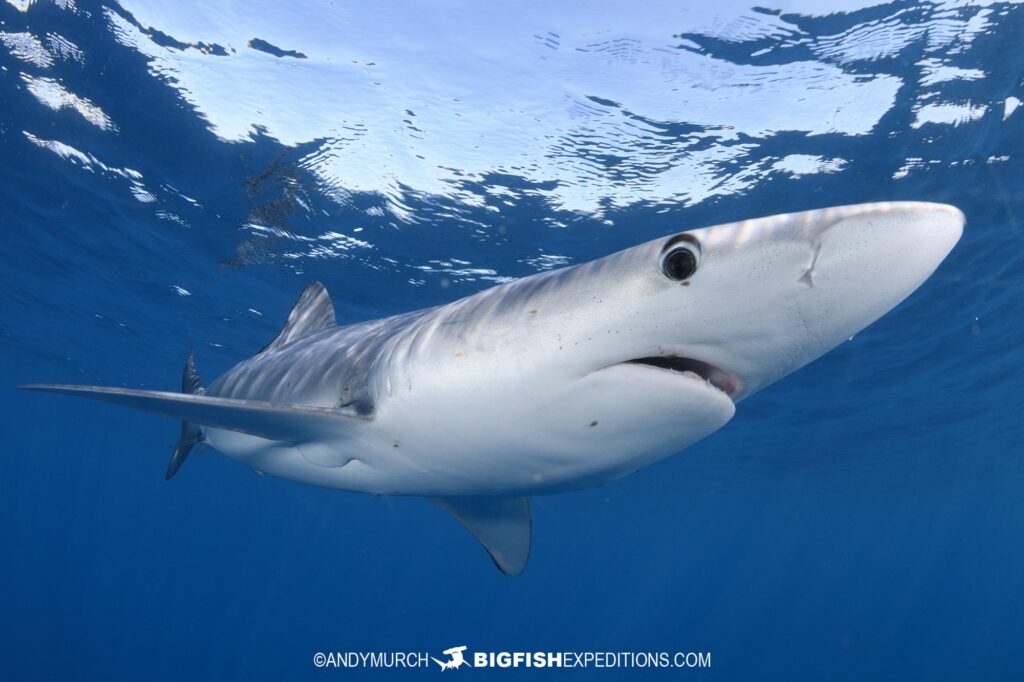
562,380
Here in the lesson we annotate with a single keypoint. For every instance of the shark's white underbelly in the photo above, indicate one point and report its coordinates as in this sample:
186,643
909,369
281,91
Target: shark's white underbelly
606,425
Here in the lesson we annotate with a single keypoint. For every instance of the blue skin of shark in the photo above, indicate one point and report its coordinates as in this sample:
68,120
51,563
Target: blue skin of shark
558,381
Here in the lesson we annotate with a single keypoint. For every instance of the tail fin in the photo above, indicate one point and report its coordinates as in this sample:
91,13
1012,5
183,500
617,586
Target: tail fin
190,433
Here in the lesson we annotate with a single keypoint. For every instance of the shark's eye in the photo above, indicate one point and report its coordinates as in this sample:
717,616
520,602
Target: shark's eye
679,263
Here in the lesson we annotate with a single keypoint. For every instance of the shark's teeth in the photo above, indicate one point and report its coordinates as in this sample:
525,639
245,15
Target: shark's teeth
693,369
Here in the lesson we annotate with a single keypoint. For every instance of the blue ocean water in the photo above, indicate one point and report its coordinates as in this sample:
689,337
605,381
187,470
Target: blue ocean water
174,174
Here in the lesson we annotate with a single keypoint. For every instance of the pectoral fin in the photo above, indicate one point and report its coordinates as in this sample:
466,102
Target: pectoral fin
274,421
501,524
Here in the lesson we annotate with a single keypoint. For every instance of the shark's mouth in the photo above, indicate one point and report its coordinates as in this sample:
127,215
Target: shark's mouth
695,369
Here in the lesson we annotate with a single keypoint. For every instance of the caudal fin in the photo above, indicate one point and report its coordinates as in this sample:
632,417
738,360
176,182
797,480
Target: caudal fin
190,433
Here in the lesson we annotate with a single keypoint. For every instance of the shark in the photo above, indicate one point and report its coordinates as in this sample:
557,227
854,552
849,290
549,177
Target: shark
558,381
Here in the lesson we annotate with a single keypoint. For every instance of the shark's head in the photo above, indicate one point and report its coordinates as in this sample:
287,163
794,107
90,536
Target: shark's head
628,358
739,306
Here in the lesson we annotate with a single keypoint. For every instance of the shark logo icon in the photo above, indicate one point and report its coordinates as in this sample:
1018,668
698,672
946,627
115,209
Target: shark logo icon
455,658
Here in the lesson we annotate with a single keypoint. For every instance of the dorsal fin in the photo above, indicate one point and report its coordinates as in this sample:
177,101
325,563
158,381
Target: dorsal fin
311,313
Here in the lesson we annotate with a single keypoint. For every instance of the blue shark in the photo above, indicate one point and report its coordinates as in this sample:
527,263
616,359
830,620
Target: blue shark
562,380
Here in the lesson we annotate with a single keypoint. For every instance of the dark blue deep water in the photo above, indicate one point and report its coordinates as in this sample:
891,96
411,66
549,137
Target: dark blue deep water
174,173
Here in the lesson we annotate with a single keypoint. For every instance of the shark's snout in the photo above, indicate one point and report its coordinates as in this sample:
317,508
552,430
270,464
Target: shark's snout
882,245
868,261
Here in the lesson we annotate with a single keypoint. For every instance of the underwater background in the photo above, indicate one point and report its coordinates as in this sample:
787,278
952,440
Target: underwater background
173,174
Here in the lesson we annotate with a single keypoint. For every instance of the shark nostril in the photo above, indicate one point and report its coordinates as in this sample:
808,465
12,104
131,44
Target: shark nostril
808,276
